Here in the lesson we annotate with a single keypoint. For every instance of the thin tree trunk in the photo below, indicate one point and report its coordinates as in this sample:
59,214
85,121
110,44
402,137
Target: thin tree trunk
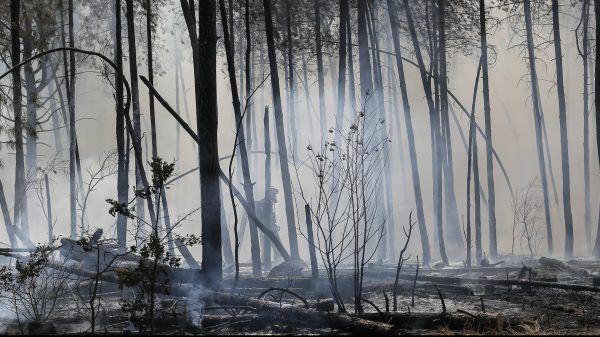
151,76
320,79
268,204
122,149
248,186
597,108
585,13
410,135
488,132
285,172
137,127
10,229
537,119
49,210
341,93
434,120
564,140
291,82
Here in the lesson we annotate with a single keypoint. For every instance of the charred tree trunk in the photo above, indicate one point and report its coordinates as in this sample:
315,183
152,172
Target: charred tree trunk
285,172
10,229
149,29
122,149
204,53
137,126
291,82
564,140
342,51
538,120
248,186
268,207
469,165
488,143
584,53
351,84
320,79
49,211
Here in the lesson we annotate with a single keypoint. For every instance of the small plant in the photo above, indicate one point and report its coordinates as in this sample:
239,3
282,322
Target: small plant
34,288
150,276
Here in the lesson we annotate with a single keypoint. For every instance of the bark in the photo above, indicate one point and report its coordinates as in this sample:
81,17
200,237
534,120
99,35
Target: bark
291,82
31,112
151,76
366,79
285,172
137,126
314,266
597,108
488,132
203,44
585,16
248,185
469,164
342,52
122,149
20,199
268,214
52,91
537,118
207,125
320,79
453,321
414,164
6,216
49,211
564,140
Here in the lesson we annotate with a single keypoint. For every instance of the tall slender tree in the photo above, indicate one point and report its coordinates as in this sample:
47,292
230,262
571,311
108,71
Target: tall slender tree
283,163
564,139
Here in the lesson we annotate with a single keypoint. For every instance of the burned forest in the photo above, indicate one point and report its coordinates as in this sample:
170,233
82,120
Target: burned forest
299,167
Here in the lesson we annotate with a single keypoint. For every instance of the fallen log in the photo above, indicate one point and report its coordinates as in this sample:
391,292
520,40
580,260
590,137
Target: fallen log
453,321
335,320
561,266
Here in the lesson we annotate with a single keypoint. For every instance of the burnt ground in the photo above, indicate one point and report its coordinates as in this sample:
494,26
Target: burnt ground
524,310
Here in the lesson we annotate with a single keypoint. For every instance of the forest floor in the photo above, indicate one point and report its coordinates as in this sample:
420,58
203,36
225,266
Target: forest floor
468,294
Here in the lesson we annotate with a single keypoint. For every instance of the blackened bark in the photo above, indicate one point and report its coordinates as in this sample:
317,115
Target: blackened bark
410,135
49,211
285,172
342,51
268,206
10,230
584,53
488,132
564,139
137,126
151,77
122,164
320,79
291,82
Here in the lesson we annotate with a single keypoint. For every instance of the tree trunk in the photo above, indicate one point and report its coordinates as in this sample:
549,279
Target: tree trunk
10,229
488,132
137,126
285,172
268,207
248,186
392,12
320,79
435,123
151,76
291,83
564,140
597,99
341,93
537,118
49,211
122,165
585,13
